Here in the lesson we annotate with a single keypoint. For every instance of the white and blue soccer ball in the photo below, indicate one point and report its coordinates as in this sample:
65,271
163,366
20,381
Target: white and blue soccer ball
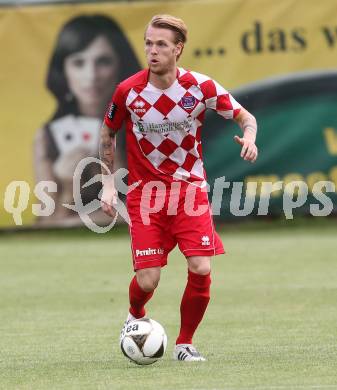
144,341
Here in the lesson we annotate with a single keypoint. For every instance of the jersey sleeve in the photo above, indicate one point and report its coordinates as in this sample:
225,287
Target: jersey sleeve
116,112
219,99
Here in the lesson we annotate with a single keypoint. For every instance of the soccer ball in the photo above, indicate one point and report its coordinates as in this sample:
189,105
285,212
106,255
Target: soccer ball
144,341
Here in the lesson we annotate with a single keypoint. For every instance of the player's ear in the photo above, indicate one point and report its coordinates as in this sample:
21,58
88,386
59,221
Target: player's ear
179,49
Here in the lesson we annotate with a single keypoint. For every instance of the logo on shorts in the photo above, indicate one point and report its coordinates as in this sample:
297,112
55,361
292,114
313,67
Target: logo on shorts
149,251
205,241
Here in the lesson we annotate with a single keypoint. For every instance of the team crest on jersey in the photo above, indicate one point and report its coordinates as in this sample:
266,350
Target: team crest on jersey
188,102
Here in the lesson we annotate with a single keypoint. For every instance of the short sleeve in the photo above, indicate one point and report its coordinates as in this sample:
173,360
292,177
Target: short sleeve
219,99
116,112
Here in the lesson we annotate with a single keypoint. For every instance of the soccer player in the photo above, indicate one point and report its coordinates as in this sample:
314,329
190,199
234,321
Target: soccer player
164,108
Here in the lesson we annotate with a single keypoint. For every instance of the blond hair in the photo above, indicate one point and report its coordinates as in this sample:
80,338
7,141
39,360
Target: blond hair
172,23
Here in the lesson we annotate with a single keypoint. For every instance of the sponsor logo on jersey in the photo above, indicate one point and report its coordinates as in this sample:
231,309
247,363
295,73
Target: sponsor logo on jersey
188,102
205,241
112,110
149,251
166,127
140,127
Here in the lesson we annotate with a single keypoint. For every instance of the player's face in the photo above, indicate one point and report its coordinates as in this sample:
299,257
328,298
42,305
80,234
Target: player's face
92,73
161,50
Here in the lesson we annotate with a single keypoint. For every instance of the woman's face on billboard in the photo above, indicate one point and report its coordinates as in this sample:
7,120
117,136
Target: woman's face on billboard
92,73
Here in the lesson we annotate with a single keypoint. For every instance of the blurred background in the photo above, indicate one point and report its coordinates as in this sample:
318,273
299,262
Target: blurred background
61,62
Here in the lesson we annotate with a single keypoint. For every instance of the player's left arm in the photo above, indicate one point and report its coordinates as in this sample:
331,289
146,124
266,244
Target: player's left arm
248,125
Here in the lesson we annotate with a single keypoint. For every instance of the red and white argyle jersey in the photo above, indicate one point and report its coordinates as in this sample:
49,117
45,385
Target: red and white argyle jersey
164,126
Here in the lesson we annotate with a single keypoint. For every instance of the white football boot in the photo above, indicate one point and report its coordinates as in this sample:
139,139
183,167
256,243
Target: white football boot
129,318
187,353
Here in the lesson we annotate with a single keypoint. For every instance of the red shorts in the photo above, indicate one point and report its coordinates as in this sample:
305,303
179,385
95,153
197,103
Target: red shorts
159,221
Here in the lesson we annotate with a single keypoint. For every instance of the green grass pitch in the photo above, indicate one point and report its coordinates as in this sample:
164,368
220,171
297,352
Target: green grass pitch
271,322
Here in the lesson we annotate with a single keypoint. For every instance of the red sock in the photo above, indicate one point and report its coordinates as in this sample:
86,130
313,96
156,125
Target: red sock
138,299
193,305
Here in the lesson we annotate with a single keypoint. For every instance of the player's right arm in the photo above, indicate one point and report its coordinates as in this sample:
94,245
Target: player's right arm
113,120
107,149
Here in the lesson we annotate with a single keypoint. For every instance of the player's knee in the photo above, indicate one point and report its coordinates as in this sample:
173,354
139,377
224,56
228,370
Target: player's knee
148,285
198,265
201,269
148,279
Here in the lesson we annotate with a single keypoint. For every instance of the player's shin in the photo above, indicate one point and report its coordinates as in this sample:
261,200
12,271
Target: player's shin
138,298
193,305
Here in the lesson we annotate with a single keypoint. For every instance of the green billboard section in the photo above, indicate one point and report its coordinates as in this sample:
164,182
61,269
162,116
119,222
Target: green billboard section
297,140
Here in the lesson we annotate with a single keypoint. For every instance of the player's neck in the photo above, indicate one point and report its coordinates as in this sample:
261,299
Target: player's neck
163,81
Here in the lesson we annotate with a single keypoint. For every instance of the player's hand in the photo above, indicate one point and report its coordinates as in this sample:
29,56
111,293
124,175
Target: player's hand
109,199
249,150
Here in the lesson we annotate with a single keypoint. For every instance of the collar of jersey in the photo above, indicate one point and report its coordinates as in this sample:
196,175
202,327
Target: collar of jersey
151,86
